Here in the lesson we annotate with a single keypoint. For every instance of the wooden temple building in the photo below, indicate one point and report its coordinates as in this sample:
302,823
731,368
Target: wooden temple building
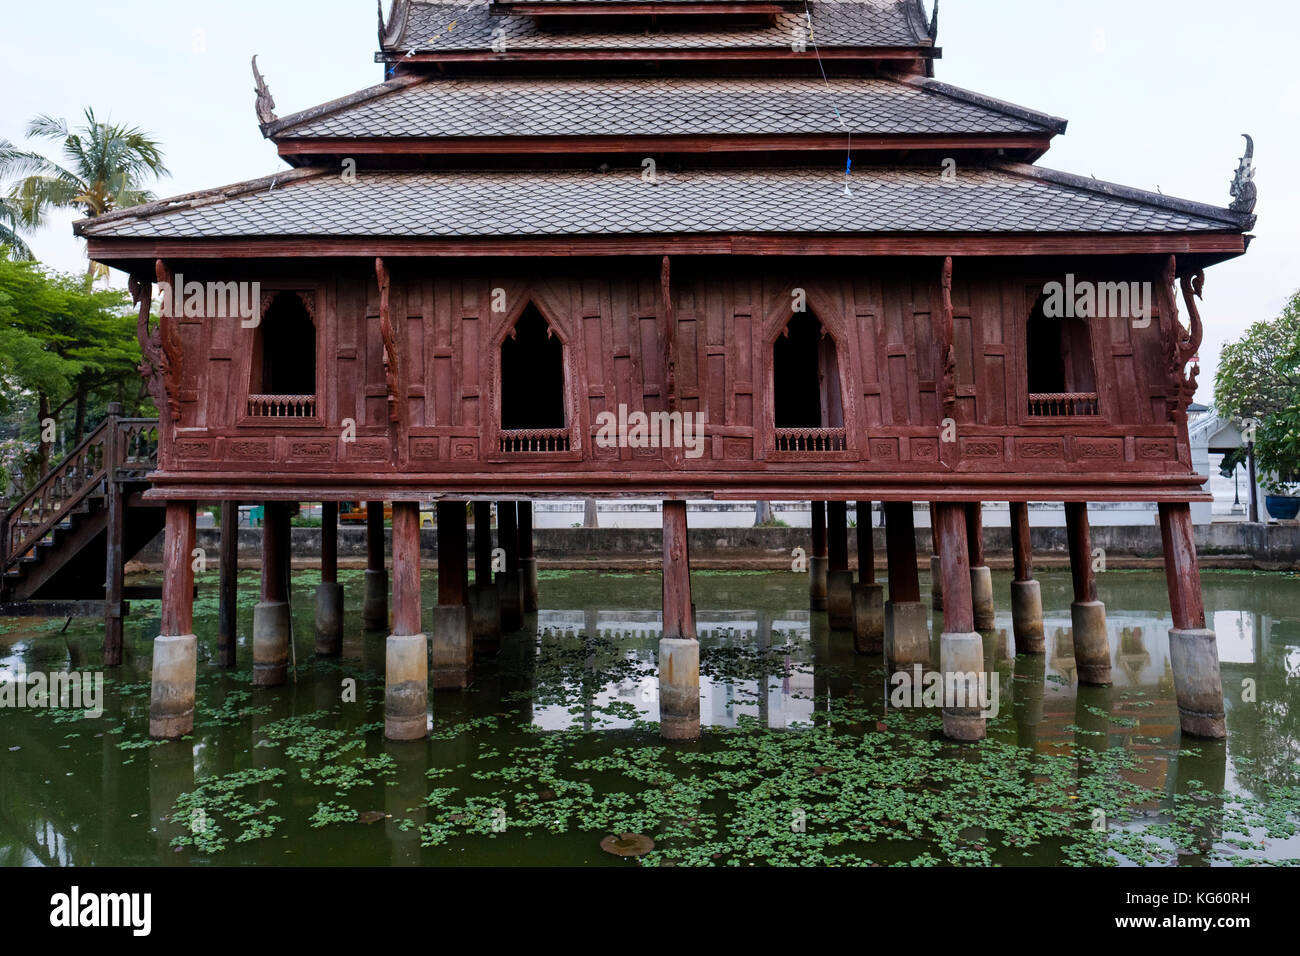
682,249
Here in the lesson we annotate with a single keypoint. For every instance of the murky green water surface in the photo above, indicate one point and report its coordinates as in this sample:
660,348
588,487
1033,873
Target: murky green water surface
555,747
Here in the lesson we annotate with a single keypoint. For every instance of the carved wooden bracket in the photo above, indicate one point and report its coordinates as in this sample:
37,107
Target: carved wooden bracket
670,333
948,353
160,345
392,358
1182,343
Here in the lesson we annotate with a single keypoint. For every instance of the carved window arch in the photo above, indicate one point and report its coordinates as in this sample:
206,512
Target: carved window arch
1061,373
534,409
808,407
283,373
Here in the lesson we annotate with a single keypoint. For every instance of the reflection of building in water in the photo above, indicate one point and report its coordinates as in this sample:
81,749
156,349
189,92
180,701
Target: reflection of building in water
783,641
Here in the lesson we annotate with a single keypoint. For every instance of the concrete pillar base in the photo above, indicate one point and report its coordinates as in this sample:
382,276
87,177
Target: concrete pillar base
406,687
936,583
679,688
1027,617
907,634
868,618
528,567
1194,657
962,654
817,581
171,698
510,585
839,600
981,592
270,643
453,648
374,609
1091,643
329,620
485,617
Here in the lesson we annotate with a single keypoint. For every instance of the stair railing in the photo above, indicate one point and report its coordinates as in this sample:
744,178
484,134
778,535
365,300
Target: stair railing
81,473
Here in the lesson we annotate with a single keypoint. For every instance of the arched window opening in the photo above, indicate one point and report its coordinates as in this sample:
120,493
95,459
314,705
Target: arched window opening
532,387
807,402
1058,359
284,361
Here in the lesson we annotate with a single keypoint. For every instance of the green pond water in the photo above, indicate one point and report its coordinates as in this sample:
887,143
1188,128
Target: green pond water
803,759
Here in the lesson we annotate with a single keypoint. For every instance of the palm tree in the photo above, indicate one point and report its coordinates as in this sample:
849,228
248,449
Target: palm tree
105,166
10,215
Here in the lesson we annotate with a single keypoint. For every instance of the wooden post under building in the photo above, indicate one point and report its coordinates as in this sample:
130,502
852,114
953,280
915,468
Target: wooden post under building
374,608
679,649
175,650
406,670
1091,636
1026,593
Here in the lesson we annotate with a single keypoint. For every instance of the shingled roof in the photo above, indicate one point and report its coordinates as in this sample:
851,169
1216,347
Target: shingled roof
437,107
995,199
454,25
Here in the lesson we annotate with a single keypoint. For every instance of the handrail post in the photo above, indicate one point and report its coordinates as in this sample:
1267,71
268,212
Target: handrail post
115,533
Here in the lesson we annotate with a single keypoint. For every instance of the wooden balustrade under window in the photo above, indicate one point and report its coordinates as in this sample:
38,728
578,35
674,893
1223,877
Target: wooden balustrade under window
530,441
811,439
281,406
1063,405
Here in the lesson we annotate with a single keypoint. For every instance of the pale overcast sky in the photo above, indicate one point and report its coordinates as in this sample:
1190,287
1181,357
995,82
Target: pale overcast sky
1158,93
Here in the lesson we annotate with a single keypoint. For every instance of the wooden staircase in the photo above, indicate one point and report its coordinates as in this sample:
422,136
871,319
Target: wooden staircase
83,520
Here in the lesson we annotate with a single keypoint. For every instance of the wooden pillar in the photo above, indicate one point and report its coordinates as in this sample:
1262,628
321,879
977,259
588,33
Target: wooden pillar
115,534
818,560
453,635
839,579
484,598
510,582
406,665
329,594
228,599
1026,594
961,649
907,626
936,572
374,608
1193,648
679,650
527,560
1091,638
271,621
981,578
175,650
868,596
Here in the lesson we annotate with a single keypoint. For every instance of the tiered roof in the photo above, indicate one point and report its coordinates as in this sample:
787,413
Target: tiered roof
467,140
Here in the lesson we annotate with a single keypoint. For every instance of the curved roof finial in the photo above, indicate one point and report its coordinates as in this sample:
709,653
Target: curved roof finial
265,105
1243,190
934,23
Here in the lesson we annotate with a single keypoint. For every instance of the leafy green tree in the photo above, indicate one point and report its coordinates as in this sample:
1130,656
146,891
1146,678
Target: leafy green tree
68,346
1259,381
105,166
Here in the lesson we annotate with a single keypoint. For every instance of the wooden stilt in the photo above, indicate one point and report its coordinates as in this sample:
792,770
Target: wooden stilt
936,572
1193,649
510,581
406,672
981,578
1091,638
839,579
329,594
961,651
485,599
866,545
868,596
679,650
228,599
527,560
175,650
907,626
453,636
271,616
374,609
482,542
1026,595
818,560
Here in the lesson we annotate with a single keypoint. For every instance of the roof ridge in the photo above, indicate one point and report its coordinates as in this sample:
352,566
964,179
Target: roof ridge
203,197
1047,120
394,85
1244,221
